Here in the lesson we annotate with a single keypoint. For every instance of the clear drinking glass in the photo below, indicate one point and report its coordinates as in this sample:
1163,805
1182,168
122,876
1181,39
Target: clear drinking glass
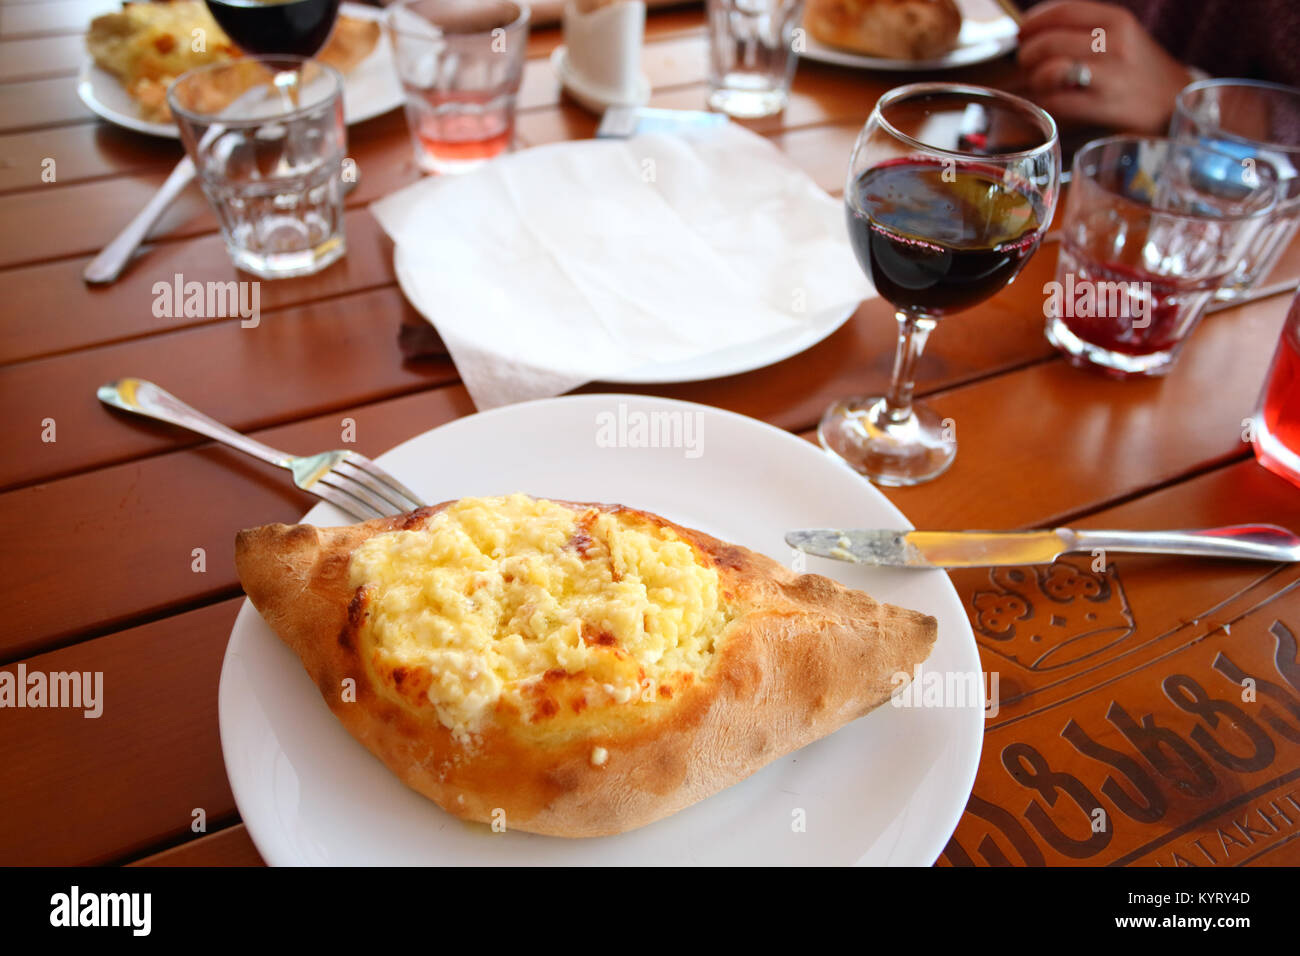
1276,435
751,55
267,139
950,189
460,63
1153,227
1256,121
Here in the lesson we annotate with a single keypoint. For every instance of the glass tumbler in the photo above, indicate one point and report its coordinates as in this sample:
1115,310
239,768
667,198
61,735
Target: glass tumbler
751,55
1251,121
1276,432
267,140
460,63
1153,228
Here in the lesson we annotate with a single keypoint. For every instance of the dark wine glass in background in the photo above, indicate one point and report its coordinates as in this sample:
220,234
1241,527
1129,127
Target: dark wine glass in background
298,27
950,189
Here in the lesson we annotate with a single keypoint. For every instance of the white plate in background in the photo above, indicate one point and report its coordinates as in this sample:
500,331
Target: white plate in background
370,89
987,32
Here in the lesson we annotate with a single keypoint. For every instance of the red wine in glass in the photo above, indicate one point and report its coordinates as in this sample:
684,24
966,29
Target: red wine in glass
938,237
1147,317
298,27
949,190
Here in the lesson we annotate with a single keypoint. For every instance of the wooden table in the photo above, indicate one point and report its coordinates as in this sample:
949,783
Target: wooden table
1120,689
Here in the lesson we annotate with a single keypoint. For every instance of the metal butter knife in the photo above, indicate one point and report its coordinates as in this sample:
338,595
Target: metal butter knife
981,549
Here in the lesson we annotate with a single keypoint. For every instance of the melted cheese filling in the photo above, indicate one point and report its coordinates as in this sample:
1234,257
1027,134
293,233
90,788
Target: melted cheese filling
495,594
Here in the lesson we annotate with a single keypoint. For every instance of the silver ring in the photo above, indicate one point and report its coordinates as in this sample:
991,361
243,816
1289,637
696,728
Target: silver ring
1078,76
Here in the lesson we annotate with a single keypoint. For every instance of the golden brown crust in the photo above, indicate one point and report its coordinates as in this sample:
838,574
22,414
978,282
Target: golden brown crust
803,657
896,29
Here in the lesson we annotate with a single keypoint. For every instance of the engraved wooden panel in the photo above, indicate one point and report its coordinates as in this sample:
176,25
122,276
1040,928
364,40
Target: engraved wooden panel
1149,708
1121,687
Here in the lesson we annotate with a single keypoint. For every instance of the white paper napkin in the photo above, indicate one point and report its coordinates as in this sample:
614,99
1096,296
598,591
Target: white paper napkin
580,261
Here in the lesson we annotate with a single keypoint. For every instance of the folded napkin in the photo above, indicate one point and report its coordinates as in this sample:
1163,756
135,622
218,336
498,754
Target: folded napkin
586,260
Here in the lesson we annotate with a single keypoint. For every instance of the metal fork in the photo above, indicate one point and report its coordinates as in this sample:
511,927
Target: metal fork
352,483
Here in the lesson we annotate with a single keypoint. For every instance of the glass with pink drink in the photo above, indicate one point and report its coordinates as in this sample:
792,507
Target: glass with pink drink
1276,432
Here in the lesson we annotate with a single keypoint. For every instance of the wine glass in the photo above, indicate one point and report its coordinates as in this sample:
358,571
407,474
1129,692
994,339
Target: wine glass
950,189
297,27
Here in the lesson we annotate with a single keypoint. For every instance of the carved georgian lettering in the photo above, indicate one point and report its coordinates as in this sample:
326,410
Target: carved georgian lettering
1029,768
1152,805
1009,827
1156,743
1287,657
1225,666
1188,695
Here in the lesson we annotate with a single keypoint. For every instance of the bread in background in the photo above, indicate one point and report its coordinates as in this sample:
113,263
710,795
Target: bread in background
894,29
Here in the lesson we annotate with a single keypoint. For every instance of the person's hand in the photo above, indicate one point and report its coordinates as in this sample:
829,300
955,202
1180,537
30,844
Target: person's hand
1131,82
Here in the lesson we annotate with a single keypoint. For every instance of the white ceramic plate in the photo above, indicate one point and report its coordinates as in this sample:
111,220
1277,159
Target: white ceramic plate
986,34
731,361
887,789
370,89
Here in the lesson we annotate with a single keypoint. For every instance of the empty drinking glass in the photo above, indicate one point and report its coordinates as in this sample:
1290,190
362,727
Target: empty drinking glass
1153,227
751,55
460,63
1251,121
267,139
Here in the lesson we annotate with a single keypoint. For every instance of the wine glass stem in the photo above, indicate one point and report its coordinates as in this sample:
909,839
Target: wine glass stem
913,331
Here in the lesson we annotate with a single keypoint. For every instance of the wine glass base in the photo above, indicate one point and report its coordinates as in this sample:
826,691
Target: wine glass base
889,453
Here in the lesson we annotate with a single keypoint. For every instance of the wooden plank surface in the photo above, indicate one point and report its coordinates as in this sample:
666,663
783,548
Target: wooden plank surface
107,517
229,847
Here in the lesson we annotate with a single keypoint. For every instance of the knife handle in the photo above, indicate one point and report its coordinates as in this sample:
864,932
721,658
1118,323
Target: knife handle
1252,542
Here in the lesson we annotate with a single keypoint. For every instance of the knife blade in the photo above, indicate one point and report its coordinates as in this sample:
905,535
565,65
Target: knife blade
986,549
931,549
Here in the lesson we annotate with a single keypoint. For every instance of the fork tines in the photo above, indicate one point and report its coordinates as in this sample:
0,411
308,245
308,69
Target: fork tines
364,489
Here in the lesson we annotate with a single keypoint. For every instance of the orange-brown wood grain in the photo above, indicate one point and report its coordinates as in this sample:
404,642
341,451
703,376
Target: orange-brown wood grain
133,776
41,57
229,847
347,346
107,518
49,309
